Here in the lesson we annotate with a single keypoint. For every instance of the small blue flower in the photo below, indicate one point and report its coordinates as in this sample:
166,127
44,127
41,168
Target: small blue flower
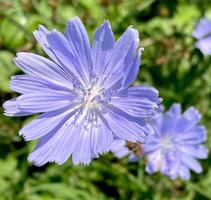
203,34
83,93
176,144
119,149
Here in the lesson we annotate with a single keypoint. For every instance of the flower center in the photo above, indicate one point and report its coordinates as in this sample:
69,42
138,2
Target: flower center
167,143
92,98
91,102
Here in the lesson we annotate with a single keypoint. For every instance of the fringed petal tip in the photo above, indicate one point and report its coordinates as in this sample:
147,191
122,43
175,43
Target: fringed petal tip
141,50
107,22
74,19
36,161
85,163
134,33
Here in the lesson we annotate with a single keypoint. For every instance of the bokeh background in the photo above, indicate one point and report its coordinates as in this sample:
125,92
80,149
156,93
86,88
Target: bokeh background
170,62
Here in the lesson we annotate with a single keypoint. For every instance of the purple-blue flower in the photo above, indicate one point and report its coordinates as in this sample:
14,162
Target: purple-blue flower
83,93
177,143
203,34
119,149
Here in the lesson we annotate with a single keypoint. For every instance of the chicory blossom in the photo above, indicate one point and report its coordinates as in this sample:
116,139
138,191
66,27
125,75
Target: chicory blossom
119,149
82,92
203,34
177,143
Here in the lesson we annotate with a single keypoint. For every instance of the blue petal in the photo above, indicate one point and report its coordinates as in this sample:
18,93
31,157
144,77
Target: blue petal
92,141
132,70
57,145
191,162
82,152
157,123
11,109
188,120
123,69
203,28
79,41
197,151
154,162
137,101
194,136
118,148
41,36
135,106
144,92
175,110
115,68
192,115
45,123
103,44
170,164
152,144
168,125
41,67
101,137
44,102
65,56
184,172
66,143
204,45
129,37
174,170
127,127
42,153
26,84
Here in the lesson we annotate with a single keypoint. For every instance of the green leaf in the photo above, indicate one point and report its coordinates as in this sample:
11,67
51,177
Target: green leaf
7,68
13,30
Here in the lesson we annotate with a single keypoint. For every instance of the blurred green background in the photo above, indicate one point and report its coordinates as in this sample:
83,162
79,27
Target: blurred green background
170,63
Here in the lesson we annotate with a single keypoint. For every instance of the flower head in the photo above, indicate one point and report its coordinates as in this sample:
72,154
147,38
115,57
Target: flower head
83,93
177,143
119,149
203,34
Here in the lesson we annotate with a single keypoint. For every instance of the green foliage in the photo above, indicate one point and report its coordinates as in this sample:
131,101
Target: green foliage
7,68
170,62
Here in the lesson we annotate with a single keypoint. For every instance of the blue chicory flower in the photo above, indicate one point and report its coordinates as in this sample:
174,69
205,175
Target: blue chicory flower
176,144
119,149
203,34
83,93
